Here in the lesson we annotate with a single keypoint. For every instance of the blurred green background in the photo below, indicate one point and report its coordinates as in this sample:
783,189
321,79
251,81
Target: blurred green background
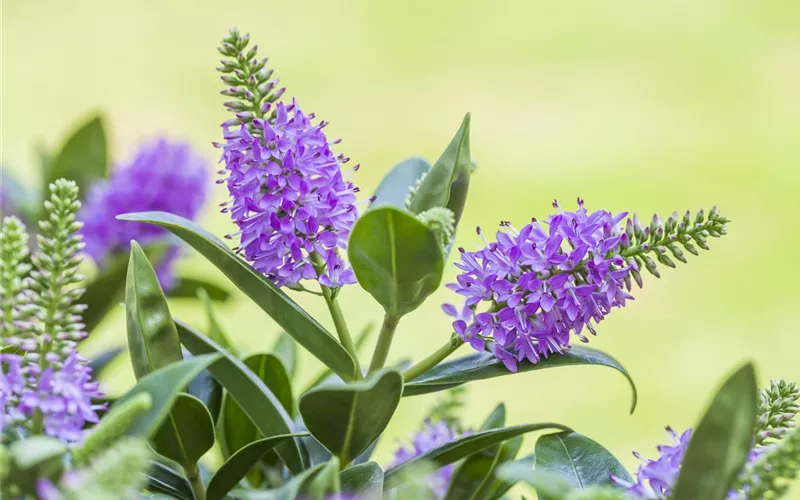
639,106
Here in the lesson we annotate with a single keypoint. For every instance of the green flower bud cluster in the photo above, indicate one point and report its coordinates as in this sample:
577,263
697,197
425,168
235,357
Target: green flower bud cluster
442,222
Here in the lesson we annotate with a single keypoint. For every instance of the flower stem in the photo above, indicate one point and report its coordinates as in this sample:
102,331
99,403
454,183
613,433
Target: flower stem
196,483
341,327
384,343
432,360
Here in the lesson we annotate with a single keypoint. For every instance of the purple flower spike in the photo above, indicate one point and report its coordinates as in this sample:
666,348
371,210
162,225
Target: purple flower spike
542,283
163,176
289,198
431,436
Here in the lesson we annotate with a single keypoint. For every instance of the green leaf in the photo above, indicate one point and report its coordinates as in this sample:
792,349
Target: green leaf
395,258
463,447
285,348
548,485
187,433
102,360
235,468
152,337
291,490
187,288
290,316
83,157
34,458
499,486
395,186
476,472
347,419
206,388
364,480
163,479
324,483
239,430
214,330
447,182
578,460
163,386
484,365
721,442
253,396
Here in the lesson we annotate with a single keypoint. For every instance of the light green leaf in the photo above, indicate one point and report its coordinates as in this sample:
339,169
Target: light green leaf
163,386
152,338
253,396
721,442
346,419
396,259
364,480
395,186
290,316
83,157
480,366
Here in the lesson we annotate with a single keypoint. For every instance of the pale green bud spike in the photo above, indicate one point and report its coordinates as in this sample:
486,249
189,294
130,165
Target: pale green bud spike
442,222
770,476
13,269
111,427
777,407
412,190
116,473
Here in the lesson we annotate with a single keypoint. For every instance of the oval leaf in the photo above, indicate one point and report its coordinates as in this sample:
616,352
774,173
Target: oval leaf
347,419
394,188
206,388
187,433
235,468
83,157
721,442
163,479
152,337
363,481
395,258
578,460
463,447
480,366
290,316
163,386
448,180
249,391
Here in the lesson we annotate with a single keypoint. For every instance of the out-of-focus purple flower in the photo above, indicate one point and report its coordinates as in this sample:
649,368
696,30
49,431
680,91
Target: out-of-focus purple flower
289,198
541,283
163,176
431,436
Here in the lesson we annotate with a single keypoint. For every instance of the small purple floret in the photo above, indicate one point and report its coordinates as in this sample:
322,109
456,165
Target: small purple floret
431,436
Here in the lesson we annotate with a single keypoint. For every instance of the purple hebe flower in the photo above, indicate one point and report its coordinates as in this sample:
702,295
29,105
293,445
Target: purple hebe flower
62,395
541,283
289,198
163,176
431,436
656,478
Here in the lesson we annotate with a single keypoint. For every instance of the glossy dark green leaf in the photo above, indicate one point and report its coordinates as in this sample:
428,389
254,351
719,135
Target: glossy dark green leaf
163,479
152,337
447,181
187,433
476,471
396,259
101,361
213,329
465,446
286,349
235,468
250,392
721,441
394,187
578,460
83,158
186,287
207,389
239,430
163,385
484,365
364,480
290,316
346,419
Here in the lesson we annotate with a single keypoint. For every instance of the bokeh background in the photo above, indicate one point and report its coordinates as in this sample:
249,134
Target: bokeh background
640,106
